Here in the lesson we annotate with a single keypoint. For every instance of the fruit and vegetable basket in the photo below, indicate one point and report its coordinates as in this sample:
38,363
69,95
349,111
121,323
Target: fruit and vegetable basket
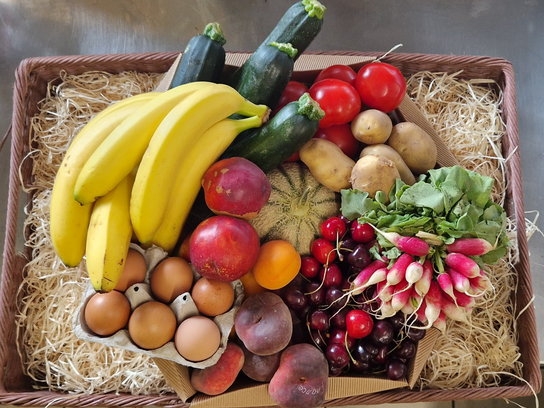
383,280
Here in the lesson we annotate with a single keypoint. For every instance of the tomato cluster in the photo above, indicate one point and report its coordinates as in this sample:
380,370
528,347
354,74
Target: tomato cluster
342,93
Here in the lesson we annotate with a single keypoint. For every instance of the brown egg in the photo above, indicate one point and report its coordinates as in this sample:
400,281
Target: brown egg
133,271
152,325
107,313
197,338
172,277
212,297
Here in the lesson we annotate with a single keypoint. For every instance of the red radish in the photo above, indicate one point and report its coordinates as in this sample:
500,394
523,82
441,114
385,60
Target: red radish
365,274
433,301
462,264
445,283
413,303
384,291
440,322
470,246
414,272
462,299
453,311
423,284
401,295
367,278
397,272
411,245
460,281
479,285
387,310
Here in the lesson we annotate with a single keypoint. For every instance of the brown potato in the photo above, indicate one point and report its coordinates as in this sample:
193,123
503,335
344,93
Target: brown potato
414,145
374,173
327,163
381,149
371,127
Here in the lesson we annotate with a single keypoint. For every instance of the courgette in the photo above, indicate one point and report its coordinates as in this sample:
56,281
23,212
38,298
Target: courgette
280,137
264,76
203,58
299,26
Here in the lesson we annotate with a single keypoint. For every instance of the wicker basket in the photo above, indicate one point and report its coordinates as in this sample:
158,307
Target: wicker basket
32,77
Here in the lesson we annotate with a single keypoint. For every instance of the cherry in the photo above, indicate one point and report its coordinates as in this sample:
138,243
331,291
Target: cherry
359,323
333,228
323,250
319,320
331,275
294,298
362,233
337,355
309,267
315,293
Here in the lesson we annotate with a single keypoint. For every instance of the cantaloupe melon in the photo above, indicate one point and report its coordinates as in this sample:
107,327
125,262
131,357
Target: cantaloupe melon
297,206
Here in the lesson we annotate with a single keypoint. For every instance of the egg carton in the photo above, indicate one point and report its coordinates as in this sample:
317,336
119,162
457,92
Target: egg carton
183,307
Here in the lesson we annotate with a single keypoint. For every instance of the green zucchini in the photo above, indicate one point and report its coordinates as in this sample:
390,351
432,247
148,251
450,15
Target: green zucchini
280,137
203,58
299,26
264,76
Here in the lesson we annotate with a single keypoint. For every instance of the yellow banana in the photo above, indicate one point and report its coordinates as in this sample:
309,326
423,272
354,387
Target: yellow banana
124,147
109,236
188,180
68,219
170,145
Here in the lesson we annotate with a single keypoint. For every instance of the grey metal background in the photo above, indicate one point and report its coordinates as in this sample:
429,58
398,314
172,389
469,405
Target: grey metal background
508,29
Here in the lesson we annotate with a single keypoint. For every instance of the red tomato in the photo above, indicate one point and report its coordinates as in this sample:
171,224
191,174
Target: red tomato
292,92
341,136
341,72
294,157
381,86
338,99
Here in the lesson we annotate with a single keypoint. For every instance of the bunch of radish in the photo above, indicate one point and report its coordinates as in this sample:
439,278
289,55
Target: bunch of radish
415,286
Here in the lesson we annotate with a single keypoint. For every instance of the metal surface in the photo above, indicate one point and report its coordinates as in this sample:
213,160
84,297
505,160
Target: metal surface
512,30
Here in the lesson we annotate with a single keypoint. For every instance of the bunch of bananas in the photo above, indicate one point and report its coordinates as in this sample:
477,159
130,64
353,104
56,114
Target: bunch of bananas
136,169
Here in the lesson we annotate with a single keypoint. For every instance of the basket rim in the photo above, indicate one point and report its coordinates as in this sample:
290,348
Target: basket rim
32,68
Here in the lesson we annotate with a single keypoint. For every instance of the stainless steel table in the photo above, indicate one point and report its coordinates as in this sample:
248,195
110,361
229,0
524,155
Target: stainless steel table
499,28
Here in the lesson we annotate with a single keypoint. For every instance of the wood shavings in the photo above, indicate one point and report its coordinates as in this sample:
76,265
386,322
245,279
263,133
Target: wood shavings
467,116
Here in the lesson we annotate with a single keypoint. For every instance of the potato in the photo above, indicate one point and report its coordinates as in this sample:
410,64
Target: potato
371,127
327,163
414,145
374,173
387,151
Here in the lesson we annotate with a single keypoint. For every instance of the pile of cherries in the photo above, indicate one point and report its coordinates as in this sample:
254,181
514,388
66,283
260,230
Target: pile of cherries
346,327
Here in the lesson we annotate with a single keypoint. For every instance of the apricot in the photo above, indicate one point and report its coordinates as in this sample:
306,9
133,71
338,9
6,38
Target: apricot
260,368
236,187
224,248
218,378
277,264
301,379
264,324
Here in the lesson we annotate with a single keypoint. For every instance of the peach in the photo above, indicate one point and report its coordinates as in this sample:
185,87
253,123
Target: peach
236,187
301,380
224,248
260,368
218,378
264,324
